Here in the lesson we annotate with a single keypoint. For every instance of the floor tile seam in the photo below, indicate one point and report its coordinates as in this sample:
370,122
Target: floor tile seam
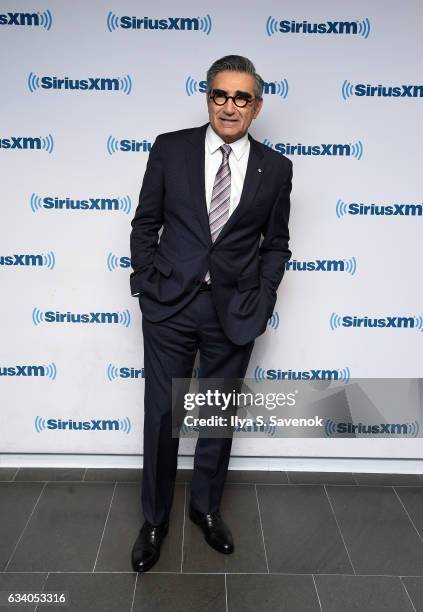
134,591
24,528
408,594
178,573
104,526
265,484
42,589
317,593
226,594
339,529
408,515
261,528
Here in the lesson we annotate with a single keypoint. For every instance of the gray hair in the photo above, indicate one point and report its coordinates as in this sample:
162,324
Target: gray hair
235,63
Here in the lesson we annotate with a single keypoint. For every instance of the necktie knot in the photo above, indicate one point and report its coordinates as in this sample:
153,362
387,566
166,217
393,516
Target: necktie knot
226,149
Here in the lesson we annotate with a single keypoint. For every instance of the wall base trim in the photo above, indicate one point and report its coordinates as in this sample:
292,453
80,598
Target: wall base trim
307,464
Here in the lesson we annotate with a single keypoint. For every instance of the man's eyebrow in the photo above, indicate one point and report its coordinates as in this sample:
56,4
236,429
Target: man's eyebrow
243,93
237,93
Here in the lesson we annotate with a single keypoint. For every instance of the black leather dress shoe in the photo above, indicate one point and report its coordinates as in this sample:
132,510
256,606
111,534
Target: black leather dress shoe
216,533
146,550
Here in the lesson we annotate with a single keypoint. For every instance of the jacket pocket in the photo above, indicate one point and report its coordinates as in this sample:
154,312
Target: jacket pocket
162,265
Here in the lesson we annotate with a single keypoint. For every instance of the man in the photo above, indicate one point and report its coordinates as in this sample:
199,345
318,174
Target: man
208,284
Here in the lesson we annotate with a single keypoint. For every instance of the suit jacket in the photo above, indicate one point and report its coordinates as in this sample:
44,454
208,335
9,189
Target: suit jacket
247,259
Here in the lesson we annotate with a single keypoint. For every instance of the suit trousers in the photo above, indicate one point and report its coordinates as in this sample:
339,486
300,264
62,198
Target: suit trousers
170,348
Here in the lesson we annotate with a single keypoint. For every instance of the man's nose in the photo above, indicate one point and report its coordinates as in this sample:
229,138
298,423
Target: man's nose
229,106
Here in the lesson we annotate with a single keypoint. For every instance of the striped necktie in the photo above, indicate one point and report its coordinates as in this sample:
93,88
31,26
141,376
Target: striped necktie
221,197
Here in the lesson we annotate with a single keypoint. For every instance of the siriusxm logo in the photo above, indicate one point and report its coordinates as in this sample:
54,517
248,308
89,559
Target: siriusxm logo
395,321
323,265
103,318
123,84
275,88
343,374
33,143
113,262
403,429
359,27
180,24
47,260
383,210
43,20
127,146
37,203
113,372
122,425
381,91
47,371
329,150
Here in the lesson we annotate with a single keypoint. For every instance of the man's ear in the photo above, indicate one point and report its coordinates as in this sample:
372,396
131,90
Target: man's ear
259,104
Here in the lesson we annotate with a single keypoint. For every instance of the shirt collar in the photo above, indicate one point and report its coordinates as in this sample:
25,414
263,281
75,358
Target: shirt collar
214,141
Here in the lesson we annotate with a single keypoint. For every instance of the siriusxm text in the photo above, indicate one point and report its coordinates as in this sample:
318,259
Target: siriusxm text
92,425
22,19
395,210
380,428
170,23
21,260
302,374
317,265
89,84
287,26
394,321
400,91
21,142
327,149
23,370
75,204
125,372
51,316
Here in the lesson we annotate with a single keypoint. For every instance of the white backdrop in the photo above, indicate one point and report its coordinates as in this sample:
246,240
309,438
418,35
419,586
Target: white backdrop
64,259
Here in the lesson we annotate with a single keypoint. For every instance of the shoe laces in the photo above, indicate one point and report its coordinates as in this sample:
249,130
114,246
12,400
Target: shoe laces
213,518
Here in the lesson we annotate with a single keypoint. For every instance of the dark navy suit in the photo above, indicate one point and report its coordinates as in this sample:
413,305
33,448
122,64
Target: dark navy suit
246,263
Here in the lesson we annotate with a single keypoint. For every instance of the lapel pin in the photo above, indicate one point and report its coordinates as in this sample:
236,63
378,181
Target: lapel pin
259,169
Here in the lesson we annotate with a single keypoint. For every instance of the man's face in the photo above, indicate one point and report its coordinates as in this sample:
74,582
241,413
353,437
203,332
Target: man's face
229,121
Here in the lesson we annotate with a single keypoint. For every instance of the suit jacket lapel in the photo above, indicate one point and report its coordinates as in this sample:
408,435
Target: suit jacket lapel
195,166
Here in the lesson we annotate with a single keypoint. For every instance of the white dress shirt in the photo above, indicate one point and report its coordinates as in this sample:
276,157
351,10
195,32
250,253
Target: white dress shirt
238,160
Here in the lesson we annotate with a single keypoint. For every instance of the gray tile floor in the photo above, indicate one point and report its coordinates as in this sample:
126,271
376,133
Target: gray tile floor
303,542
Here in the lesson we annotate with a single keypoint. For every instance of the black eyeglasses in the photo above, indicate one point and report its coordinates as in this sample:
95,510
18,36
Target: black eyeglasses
220,98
